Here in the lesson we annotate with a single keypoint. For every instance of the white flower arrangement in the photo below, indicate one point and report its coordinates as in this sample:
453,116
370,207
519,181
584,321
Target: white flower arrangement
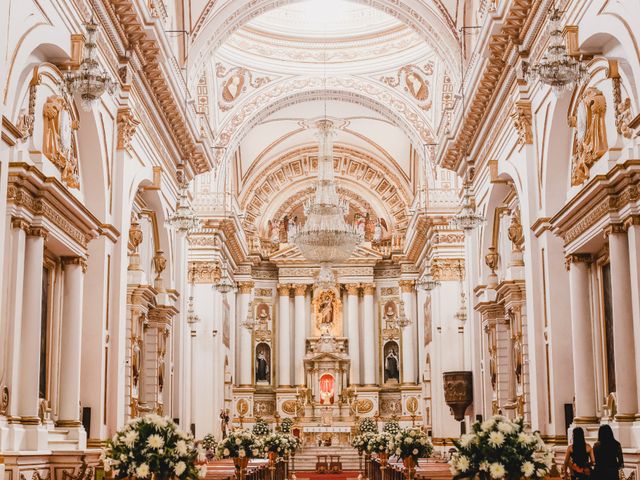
368,425
153,445
413,443
392,427
280,444
239,444
499,448
361,442
261,428
381,443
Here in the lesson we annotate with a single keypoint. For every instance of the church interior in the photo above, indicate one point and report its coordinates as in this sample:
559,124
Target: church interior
318,214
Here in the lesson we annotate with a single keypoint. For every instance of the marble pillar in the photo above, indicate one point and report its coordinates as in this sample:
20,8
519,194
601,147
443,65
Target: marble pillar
71,341
300,333
583,364
354,332
368,338
284,337
408,333
246,348
633,234
624,351
31,326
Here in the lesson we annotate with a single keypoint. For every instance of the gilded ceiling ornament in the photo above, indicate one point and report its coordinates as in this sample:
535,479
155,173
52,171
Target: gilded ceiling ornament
234,84
59,142
414,81
590,138
522,118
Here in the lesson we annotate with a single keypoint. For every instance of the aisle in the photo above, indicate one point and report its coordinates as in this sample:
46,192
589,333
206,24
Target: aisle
327,476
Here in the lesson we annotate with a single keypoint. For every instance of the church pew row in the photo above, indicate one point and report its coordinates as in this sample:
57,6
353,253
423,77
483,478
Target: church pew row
258,469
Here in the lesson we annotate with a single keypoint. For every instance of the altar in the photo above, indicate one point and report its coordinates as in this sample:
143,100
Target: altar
327,436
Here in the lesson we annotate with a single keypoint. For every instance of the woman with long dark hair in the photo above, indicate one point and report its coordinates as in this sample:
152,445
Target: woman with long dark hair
608,455
579,457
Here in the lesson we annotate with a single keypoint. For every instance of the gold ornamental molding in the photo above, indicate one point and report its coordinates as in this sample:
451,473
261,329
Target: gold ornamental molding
132,31
522,119
514,28
448,269
127,124
204,272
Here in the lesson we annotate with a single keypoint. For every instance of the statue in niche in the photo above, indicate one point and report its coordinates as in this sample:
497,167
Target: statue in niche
369,226
292,229
391,361
326,310
263,354
224,422
360,224
58,144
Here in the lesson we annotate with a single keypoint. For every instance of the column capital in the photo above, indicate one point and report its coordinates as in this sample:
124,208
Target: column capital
633,220
352,288
300,289
614,228
38,232
576,258
284,289
82,262
406,286
21,223
245,287
368,288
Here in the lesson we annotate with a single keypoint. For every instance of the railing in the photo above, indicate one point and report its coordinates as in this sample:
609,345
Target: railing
216,203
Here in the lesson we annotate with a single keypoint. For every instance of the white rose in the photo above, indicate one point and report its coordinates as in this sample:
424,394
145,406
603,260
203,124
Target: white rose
181,447
496,439
180,468
496,470
408,440
506,428
528,469
466,440
142,471
226,452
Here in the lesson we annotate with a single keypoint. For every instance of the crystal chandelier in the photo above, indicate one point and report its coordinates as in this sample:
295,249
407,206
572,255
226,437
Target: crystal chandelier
90,81
225,284
326,237
557,68
192,318
467,219
402,320
427,282
184,218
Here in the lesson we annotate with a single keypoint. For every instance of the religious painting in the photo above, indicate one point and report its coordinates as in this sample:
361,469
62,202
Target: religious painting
226,323
327,383
263,363
391,363
327,311
413,79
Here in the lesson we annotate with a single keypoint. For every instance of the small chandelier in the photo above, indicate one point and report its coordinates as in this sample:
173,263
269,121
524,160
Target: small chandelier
461,314
90,81
249,321
225,284
467,219
184,218
326,237
192,318
557,68
402,321
427,282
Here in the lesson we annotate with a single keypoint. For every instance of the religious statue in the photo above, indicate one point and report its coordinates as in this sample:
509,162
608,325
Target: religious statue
391,360
377,232
224,422
326,389
292,229
262,363
360,224
590,138
326,312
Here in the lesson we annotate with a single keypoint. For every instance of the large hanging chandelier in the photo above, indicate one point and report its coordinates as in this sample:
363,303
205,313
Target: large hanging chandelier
467,219
90,81
184,218
326,237
225,284
557,68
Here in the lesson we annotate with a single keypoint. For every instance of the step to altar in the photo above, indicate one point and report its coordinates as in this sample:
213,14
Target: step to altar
307,457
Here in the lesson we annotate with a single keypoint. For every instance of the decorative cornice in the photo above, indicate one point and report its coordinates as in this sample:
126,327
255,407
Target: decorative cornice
204,272
448,269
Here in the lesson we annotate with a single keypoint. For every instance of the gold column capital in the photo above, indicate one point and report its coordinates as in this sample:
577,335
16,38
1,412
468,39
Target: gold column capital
576,258
633,220
406,286
284,289
300,289
20,222
82,262
352,288
368,288
614,228
245,287
38,232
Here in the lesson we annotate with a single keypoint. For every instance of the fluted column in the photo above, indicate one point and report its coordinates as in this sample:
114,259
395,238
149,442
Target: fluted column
624,351
408,333
31,325
583,366
71,341
368,339
246,350
354,334
284,337
300,334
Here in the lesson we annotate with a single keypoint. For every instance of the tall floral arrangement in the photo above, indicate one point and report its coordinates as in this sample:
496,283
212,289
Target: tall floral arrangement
261,428
412,443
239,444
381,443
361,442
280,444
285,426
392,427
153,446
499,448
368,425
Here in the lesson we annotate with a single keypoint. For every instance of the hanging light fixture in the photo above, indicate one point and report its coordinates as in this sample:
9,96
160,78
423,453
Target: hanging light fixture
90,81
326,237
225,285
427,282
402,320
249,322
467,219
557,68
192,318
183,218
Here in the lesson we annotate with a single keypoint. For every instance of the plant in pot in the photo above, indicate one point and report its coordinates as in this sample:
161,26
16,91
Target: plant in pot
240,445
410,445
153,447
499,448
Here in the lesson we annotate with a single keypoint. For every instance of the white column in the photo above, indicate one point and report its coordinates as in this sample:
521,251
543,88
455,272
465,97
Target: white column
246,349
583,369
624,351
633,233
31,320
284,337
354,333
71,341
408,333
299,332
368,329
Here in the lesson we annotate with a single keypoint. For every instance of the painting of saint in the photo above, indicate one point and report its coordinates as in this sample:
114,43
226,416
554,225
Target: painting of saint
263,360
326,309
232,87
391,362
416,86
